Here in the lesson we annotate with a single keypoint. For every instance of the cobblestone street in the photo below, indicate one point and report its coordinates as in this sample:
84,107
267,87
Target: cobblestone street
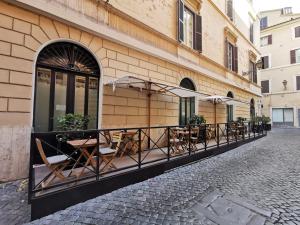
265,174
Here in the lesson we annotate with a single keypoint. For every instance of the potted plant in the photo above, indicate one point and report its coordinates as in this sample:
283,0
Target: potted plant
197,120
266,123
71,122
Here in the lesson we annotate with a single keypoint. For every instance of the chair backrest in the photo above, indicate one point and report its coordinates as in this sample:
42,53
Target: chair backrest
196,130
107,136
41,151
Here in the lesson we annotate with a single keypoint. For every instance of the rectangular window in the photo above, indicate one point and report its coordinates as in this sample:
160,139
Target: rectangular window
265,88
297,32
229,9
286,11
298,83
263,23
267,40
265,62
231,56
188,28
295,56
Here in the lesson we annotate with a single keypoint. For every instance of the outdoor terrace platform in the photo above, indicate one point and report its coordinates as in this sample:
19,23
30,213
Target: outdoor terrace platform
95,162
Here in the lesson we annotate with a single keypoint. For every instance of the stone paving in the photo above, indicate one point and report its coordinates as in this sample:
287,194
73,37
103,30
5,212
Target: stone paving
265,174
14,208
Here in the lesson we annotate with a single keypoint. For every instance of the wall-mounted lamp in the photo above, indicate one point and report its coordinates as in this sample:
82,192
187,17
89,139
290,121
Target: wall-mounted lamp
259,64
284,82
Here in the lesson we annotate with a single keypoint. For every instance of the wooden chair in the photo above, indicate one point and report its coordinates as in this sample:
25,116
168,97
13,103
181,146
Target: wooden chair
108,154
174,141
194,139
56,164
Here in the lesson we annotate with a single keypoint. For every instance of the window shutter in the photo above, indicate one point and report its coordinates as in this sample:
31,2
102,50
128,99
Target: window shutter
269,39
255,75
230,9
235,59
251,32
298,82
293,56
198,33
297,32
265,86
180,21
266,62
226,54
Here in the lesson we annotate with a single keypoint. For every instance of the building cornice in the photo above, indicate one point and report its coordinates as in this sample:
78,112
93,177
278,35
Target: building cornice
104,31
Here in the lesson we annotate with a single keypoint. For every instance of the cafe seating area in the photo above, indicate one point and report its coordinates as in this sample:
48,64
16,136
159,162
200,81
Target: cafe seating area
64,159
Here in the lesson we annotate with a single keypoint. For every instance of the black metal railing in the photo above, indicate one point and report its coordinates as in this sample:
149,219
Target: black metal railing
60,160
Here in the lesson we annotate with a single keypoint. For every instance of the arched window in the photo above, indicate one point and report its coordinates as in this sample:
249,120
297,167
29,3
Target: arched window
67,81
252,109
187,105
230,108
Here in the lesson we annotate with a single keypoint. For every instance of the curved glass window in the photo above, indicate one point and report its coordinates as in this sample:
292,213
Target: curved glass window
67,81
186,105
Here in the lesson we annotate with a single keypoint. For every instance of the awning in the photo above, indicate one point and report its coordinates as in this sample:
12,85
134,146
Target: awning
218,99
152,87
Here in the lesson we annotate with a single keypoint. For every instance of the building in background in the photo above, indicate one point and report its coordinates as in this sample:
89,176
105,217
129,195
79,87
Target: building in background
280,49
57,55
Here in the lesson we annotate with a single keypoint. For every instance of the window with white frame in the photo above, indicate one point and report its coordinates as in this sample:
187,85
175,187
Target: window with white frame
263,22
188,27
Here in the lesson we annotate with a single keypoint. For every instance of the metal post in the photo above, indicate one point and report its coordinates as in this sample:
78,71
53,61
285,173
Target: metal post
244,131
205,143
218,137
249,130
190,140
227,133
31,178
97,156
168,138
140,148
236,133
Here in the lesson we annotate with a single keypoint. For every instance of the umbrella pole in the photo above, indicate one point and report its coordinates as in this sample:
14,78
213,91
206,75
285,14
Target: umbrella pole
149,114
215,104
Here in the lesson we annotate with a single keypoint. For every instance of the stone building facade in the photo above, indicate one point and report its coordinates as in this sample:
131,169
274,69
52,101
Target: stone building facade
125,37
280,40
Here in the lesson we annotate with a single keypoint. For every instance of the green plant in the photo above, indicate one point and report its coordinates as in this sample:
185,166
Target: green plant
241,119
265,119
197,119
72,122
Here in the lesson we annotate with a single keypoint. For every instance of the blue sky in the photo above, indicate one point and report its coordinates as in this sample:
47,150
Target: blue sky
262,5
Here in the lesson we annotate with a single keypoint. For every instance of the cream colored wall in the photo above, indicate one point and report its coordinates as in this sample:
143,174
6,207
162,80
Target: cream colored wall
283,42
281,69
128,17
22,35
275,16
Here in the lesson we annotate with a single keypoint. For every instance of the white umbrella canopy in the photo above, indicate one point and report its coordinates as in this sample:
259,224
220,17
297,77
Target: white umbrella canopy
218,99
152,87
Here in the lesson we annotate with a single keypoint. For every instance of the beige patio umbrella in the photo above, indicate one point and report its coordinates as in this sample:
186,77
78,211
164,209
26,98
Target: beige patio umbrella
151,87
218,99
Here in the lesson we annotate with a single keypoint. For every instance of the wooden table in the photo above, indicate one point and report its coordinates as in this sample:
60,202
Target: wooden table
83,145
